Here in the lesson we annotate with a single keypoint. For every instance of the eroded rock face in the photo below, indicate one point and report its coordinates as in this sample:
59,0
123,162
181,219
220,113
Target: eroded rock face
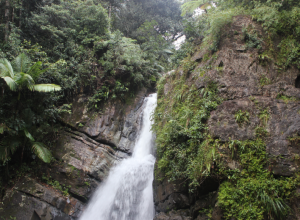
170,195
116,125
33,201
238,71
84,153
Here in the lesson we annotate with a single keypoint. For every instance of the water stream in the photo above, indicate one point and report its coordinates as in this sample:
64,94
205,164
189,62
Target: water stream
127,192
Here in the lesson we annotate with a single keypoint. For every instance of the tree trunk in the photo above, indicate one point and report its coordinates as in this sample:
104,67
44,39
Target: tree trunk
20,16
13,14
6,20
109,17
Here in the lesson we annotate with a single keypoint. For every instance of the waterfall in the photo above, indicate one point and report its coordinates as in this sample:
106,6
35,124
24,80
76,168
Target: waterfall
127,192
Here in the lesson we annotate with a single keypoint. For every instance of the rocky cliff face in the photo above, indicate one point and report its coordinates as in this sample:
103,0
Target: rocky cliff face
85,151
246,83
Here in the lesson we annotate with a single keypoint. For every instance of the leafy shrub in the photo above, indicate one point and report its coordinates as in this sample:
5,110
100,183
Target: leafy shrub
254,193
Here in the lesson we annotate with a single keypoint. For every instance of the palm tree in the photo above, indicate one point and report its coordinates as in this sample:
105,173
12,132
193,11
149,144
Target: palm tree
20,74
8,146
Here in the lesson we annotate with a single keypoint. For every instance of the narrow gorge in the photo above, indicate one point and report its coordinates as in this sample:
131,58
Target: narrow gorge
150,110
85,156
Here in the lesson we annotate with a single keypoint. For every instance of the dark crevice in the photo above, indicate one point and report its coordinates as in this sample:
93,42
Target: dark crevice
199,60
94,178
221,64
35,216
297,82
82,199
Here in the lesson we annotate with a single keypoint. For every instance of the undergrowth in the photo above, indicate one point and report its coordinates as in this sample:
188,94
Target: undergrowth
187,152
184,147
252,192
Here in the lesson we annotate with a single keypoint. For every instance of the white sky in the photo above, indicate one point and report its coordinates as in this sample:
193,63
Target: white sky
182,39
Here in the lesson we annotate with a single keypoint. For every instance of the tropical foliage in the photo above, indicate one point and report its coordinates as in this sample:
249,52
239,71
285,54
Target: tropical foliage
23,75
187,152
52,50
19,76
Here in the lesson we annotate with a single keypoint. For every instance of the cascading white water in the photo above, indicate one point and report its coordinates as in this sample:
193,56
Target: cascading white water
127,192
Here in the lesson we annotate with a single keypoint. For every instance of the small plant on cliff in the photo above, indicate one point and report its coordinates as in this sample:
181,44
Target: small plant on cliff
188,65
63,188
285,98
251,38
264,116
264,80
261,132
242,117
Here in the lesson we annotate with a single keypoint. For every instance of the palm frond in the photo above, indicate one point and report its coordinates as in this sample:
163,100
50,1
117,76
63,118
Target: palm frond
42,152
6,68
46,87
8,147
21,63
24,80
11,83
35,70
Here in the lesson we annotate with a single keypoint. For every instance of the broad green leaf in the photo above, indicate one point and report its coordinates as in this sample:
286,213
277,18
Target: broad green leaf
46,87
6,68
167,51
27,134
2,128
153,78
11,83
42,152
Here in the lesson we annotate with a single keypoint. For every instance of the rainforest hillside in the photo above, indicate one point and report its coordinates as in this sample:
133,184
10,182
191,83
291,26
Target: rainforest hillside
227,120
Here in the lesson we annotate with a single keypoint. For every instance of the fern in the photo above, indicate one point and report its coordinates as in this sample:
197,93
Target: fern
242,117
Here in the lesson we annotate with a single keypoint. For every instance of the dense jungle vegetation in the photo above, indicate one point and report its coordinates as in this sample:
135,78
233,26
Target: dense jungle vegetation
186,150
50,51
